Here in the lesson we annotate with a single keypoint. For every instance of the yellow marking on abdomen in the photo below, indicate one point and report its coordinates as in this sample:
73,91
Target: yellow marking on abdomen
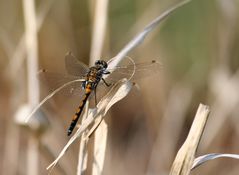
80,109
74,117
88,89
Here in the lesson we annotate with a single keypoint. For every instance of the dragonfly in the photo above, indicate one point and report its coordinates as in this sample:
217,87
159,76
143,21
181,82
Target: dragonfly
92,78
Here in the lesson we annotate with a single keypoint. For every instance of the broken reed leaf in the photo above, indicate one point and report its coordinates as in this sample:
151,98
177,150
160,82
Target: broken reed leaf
116,93
185,156
100,142
202,159
140,37
50,96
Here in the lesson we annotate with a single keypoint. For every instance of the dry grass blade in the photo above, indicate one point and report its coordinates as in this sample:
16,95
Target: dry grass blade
185,156
117,92
99,29
140,37
202,159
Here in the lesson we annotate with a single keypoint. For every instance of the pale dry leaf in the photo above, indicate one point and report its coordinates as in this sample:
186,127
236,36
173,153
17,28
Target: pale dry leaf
185,156
202,159
100,148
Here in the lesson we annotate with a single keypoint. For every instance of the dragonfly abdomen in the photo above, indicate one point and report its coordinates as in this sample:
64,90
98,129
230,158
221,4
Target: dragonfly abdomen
79,110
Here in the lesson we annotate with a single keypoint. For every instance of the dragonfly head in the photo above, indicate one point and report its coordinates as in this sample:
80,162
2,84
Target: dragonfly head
101,64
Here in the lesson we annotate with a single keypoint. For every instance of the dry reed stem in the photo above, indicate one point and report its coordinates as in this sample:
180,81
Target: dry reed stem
31,50
98,36
33,156
99,30
33,83
185,156
17,60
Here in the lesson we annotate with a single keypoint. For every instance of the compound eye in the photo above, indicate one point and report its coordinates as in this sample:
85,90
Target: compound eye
105,65
97,62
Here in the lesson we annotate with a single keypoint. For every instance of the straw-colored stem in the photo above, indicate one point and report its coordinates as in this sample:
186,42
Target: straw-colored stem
17,58
31,50
32,160
184,160
33,84
99,30
98,35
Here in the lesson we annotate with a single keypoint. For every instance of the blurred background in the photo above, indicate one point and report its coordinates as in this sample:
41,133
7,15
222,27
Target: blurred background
197,46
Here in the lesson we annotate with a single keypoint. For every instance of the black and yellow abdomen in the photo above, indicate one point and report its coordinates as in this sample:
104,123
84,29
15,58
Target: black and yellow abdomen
92,79
88,90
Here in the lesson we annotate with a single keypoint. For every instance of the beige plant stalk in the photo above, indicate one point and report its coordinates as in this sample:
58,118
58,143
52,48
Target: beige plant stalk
184,160
33,83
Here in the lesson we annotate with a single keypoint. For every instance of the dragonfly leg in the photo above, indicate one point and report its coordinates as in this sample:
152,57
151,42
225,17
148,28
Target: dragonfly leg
107,84
95,97
106,72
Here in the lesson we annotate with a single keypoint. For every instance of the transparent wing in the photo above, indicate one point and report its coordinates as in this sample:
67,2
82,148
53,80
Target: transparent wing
60,91
50,81
67,88
131,70
127,69
74,66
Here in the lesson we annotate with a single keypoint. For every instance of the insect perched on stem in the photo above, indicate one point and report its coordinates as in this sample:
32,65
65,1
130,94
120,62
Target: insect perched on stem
91,79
